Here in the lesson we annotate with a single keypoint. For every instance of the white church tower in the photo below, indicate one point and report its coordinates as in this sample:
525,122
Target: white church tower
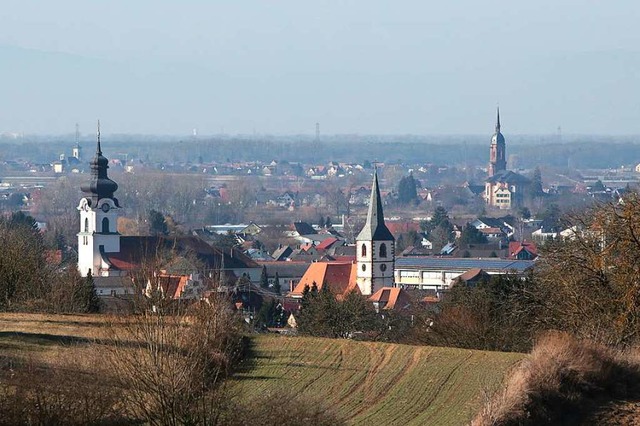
98,219
375,248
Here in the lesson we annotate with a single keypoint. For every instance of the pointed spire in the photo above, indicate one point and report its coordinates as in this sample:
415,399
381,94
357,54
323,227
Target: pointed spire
99,150
374,227
498,120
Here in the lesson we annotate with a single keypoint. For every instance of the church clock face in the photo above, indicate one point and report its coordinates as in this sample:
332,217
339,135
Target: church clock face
105,208
383,267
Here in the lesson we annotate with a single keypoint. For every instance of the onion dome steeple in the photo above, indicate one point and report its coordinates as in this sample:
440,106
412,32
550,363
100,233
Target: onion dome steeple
99,186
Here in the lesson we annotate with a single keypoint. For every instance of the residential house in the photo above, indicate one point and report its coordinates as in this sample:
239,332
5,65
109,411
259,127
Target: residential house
505,189
340,277
523,250
391,298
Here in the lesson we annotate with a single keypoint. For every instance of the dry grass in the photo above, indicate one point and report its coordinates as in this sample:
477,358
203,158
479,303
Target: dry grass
563,381
292,381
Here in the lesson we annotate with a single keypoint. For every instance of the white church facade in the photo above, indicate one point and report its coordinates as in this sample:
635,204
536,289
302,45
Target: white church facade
98,220
375,248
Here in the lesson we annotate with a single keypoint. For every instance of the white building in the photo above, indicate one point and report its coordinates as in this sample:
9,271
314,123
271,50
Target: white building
375,248
98,219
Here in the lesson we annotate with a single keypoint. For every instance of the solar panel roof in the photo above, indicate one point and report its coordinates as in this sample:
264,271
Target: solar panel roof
463,264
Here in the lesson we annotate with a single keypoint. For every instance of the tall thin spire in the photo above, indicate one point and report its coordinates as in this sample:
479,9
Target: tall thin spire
498,119
99,151
374,227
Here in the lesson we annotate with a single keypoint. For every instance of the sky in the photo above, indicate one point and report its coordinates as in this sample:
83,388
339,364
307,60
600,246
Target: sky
278,67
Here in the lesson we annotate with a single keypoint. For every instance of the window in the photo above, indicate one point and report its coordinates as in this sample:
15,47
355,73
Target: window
364,267
363,251
86,225
105,226
383,250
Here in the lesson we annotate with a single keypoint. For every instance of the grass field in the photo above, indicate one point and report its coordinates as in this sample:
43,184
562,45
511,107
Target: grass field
365,383
376,383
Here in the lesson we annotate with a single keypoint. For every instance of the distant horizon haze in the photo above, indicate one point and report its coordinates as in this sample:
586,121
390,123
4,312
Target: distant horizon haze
357,67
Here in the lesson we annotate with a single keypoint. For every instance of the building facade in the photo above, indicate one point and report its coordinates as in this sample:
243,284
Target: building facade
98,219
375,248
497,150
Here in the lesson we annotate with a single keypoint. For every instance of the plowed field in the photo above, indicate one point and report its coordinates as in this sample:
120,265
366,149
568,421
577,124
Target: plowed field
376,383
365,383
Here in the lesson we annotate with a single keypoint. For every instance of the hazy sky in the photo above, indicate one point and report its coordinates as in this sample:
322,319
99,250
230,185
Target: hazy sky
391,67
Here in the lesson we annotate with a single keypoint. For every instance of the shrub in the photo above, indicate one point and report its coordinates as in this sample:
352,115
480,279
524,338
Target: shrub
561,382
170,365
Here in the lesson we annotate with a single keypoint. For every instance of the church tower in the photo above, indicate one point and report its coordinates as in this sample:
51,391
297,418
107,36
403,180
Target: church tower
497,154
375,248
98,218
75,152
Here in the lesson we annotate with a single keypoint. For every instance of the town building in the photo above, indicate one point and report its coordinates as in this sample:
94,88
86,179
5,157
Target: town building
375,248
440,273
497,151
504,189
113,259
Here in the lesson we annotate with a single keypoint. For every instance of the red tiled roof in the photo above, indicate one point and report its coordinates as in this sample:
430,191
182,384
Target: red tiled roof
326,243
398,228
340,277
430,299
307,247
391,298
172,285
516,247
471,274
490,230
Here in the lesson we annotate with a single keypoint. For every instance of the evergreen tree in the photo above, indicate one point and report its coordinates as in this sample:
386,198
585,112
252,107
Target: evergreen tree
321,222
524,213
407,191
157,223
440,216
276,284
266,316
264,279
536,183
471,235
93,302
328,223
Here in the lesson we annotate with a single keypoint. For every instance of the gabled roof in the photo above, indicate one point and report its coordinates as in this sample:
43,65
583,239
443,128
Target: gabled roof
340,277
509,177
490,222
515,247
139,249
374,228
303,228
491,231
282,253
327,243
391,298
473,274
448,248
286,270
172,285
